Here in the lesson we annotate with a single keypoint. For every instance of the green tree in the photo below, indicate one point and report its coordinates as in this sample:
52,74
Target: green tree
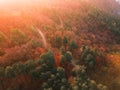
48,58
82,81
62,49
39,61
9,72
62,59
16,69
30,65
34,74
73,45
88,57
81,78
57,81
65,41
22,68
68,56
90,60
58,41
61,71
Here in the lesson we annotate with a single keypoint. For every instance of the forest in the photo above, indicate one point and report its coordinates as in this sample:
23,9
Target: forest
60,45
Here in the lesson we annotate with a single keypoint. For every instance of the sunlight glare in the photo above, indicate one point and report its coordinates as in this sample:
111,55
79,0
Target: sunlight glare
23,1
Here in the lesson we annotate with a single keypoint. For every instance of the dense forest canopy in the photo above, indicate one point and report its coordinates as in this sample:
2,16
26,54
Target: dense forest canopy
59,45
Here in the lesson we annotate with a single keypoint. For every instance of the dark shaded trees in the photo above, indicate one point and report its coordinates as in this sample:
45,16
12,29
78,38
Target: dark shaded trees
73,45
82,81
49,76
65,41
58,41
9,72
87,57
57,81
48,58
2,76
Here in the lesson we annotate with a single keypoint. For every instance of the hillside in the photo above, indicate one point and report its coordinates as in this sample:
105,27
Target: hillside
65,44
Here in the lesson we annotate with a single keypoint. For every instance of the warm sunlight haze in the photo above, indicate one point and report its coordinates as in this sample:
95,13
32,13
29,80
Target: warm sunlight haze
59,45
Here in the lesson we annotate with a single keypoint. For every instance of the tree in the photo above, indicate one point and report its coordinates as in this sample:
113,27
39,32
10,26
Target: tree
87,57
81,79
16,69
62,59
57,81
22,68
45,71
48,58
90,60
61,71
39,61
9,72
1,72
18,37
68,56
65,41
73,45
62,49
34,74
58,41
30,65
